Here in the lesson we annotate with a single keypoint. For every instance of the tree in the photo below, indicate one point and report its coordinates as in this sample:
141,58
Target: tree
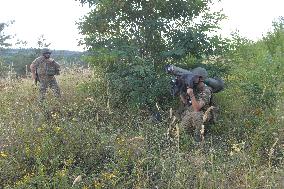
155,29
3,36
275,40
3,44
42,43
131,39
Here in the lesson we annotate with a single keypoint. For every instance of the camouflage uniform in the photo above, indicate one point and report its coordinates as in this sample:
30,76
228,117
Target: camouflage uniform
192,120
46,69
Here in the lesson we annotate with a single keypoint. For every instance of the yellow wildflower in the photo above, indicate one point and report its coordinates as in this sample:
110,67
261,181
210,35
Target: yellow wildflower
57,129
3,154
109,176
97,184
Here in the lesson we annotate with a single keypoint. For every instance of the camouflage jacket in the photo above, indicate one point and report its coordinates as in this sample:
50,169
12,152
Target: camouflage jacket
204,96
46,67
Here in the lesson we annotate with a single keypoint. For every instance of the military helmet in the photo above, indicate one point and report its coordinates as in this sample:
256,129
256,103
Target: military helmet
46,51
200,71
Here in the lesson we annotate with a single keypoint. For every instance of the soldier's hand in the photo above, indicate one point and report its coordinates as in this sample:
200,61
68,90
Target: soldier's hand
190,91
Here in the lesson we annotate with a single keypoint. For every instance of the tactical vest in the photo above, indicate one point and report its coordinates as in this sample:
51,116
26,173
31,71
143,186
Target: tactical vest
47,67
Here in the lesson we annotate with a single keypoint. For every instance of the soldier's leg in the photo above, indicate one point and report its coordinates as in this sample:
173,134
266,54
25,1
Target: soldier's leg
42,90
55,88
197,122
186,122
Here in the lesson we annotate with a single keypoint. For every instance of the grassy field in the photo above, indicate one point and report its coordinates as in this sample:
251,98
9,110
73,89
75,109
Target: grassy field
81,142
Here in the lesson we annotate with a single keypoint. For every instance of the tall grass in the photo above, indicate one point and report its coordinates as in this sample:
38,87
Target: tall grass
90,139
81,144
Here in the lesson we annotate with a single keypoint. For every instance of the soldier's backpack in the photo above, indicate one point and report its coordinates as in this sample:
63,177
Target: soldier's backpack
215,83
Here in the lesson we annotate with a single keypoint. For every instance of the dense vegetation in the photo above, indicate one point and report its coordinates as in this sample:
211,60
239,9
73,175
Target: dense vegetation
153,29
103,133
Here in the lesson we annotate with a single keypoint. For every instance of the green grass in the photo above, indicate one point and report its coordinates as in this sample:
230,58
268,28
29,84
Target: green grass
119,149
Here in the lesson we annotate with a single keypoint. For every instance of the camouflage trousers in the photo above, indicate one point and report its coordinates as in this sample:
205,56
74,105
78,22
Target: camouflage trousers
48,83
195,122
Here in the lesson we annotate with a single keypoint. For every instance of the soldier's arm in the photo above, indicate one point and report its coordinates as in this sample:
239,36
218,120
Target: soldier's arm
196,104
33,69
203,100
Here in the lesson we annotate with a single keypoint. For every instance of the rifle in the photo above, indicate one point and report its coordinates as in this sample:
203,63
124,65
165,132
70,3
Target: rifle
180,74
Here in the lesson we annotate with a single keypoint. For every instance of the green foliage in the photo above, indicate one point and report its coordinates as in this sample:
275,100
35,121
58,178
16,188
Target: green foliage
154,28
130,40
254,94
127,82
274,40
92,138
3,36
123,149
20,62
139,84
3,69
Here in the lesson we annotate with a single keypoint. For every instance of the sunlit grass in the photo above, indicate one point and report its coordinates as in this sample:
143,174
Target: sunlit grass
78,141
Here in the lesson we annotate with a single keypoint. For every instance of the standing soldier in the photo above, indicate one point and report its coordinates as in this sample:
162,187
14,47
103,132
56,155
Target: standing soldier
44,70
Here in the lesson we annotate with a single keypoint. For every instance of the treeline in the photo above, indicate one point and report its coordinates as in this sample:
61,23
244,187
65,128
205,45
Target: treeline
18,60
57,53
